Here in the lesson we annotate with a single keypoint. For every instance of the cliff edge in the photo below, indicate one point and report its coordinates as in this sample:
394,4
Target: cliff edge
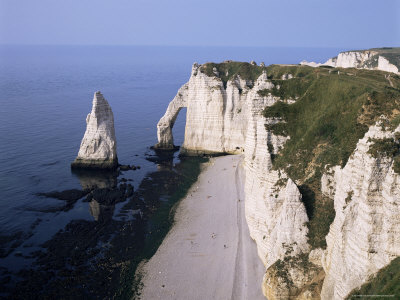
295,125
384,59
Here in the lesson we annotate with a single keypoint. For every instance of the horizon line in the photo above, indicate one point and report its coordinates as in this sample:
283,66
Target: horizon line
193,46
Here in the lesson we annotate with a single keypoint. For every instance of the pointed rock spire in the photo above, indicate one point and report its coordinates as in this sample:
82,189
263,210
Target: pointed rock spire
99,147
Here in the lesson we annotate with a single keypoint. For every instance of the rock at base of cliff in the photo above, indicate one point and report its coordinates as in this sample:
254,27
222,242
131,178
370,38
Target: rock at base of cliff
201,152
293,278
94,164
163,147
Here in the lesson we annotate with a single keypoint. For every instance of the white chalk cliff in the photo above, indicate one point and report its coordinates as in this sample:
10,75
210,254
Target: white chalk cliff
99,146
216,118
365,235
230,121
366,59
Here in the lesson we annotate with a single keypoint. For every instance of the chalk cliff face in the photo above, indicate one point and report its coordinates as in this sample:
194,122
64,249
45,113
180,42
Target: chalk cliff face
230,121
216,119
385,65
366,59
270,194
352,59
365,234
226,117
98,147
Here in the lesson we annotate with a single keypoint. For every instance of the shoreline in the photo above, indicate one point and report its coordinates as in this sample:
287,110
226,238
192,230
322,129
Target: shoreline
208,253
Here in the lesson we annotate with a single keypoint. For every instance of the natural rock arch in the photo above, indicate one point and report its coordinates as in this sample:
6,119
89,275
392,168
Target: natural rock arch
166,123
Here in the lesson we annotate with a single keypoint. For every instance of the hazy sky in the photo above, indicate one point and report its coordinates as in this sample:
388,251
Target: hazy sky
321,23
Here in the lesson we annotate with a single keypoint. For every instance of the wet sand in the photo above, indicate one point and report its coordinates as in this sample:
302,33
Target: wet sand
208,253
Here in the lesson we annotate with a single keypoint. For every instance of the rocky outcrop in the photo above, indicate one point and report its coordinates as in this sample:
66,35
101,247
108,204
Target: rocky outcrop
352,59
365,234
274,211
98,148
365,59
226,118
295,277
216,117
385,65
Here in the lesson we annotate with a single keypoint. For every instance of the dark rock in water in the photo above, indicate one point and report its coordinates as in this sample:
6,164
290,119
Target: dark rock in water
124,167
101,212
129,190
109,196
160,157
68,195
128,167
125,180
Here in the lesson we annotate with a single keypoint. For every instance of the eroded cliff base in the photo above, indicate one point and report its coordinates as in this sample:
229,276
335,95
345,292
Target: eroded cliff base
107,164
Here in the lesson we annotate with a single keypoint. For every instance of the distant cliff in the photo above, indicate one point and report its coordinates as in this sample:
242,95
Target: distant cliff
384,59
322,166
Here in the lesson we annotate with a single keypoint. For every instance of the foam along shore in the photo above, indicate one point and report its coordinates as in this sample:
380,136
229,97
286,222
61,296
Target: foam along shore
208,253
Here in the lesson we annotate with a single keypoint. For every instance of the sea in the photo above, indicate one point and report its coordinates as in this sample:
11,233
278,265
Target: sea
45,94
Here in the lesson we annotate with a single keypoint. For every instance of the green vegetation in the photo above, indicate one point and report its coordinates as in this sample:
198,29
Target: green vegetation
291,88
385,147
386,282
329,118
228,70
320,211
332,112
277,128
396,164
282,271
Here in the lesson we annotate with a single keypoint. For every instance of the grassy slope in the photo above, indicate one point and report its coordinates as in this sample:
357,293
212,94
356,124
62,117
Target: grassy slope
386,282
333,111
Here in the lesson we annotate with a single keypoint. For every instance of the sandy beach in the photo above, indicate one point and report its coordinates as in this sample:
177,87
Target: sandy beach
208,254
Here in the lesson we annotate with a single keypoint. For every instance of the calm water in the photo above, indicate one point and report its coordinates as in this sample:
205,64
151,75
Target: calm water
45,95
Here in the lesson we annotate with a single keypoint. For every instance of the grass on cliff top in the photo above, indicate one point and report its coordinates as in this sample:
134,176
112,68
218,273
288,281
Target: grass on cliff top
385,283
228,70
333,111
331,114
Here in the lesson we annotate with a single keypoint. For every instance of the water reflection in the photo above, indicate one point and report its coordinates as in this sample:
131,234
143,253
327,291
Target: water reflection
128,226
101,212
163,158
90,179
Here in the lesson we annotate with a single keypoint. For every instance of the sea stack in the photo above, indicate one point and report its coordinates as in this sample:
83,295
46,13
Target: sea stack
99,147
